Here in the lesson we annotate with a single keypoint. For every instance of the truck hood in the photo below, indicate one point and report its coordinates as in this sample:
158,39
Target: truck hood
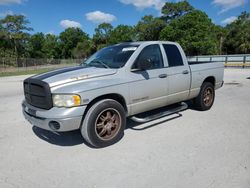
72,74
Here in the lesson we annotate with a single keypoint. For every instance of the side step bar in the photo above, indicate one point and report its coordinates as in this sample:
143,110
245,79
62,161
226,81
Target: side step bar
181,107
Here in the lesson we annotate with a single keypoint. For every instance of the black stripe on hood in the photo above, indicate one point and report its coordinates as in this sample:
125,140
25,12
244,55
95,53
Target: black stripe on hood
56,72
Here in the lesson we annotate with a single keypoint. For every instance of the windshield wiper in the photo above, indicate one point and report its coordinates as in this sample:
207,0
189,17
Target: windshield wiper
99,62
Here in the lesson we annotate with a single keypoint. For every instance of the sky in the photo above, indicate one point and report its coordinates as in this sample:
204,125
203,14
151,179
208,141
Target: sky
53,16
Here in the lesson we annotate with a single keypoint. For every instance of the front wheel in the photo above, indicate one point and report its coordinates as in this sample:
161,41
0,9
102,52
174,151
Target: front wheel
205,99
104,123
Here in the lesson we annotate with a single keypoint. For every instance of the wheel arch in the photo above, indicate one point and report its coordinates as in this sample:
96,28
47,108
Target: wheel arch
115,96
210,79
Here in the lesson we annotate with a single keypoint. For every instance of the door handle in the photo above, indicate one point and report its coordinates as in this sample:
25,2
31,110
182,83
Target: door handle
185,72
163,76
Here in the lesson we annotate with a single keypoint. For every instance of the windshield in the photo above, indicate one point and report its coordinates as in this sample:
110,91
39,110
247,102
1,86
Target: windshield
111,57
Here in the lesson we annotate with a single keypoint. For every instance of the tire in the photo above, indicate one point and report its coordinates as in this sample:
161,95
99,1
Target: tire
104,123
204,101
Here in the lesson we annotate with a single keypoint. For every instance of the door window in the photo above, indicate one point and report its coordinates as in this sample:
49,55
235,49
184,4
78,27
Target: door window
152,53
173,54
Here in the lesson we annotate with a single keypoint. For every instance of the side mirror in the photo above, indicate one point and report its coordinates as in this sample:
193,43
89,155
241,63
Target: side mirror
144,64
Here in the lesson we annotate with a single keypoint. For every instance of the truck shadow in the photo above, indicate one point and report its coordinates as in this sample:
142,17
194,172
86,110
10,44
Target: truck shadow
73,138
143,126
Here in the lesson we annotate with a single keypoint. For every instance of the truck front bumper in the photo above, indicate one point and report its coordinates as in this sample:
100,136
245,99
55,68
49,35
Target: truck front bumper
55,119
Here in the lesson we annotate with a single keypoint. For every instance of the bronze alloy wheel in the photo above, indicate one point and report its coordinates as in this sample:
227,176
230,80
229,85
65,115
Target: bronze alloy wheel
107,124
208,96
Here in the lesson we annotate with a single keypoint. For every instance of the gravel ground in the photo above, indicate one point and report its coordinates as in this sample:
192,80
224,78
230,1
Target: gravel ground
194,149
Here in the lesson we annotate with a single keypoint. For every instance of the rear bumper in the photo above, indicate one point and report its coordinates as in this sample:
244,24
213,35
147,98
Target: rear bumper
222,83
219,84
68,118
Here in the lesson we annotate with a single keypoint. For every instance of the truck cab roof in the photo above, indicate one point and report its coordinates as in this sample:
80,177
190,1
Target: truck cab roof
146,42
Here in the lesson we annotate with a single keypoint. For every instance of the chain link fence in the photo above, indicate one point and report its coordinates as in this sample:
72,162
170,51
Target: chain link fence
23,64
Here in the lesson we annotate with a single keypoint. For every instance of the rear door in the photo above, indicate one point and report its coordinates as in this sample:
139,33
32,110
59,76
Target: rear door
179,74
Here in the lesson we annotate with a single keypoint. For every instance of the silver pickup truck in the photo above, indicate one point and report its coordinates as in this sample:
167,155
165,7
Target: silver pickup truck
119,81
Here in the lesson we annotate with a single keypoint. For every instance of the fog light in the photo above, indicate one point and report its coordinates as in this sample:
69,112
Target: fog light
54,125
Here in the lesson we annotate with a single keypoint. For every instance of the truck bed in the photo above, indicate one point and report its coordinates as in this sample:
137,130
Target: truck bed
204,69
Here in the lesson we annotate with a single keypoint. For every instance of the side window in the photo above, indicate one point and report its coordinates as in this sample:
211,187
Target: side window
151,53
173,55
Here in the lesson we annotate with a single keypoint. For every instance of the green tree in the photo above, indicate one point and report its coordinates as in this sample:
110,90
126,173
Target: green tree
51,47
121,33
84,49
15,28
172,11
238,37
194,31
102,35
4,42
149,28
3,36
69,40
35,45
220,33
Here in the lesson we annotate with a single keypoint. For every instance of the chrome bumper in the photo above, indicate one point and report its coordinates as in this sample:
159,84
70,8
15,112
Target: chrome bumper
68,118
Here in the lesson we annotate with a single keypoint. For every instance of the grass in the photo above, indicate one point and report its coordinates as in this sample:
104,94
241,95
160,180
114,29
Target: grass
25,72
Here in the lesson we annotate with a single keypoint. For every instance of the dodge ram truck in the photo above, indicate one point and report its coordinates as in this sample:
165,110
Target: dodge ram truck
119,82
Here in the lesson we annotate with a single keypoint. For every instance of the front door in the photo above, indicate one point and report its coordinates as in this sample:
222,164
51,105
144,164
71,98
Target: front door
148,90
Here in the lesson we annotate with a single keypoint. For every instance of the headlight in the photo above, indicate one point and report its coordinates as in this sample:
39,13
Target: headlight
66,100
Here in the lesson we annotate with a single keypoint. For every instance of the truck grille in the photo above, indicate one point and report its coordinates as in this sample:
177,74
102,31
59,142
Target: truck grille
37,93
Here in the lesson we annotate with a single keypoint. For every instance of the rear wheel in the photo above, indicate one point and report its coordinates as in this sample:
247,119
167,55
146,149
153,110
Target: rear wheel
104,123
205,99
